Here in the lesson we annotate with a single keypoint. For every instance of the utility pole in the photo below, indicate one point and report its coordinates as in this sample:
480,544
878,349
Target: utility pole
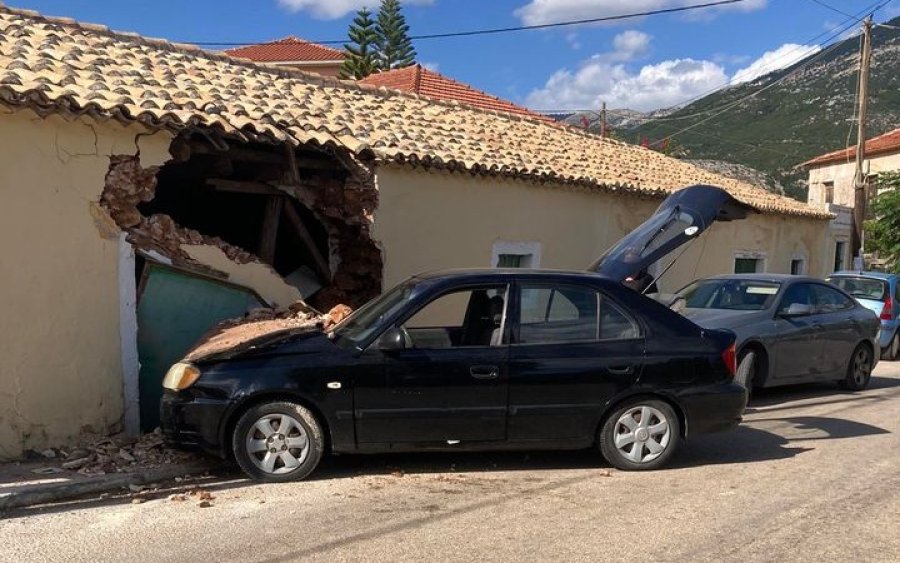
860,187
603,121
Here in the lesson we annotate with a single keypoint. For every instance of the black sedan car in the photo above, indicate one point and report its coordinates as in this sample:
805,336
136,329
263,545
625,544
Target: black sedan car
790,329
473,360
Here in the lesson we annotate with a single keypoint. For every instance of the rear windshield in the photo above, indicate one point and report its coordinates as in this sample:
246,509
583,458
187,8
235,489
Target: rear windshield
861,288
735,295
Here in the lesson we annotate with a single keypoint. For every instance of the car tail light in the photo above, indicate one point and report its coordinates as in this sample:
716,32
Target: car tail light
887,312
729,356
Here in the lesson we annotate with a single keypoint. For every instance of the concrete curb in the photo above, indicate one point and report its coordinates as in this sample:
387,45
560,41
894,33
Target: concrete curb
46,493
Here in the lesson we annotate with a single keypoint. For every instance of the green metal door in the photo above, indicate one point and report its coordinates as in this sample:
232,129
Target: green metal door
175,309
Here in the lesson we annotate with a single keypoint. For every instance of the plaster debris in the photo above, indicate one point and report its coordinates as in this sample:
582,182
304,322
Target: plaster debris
119,454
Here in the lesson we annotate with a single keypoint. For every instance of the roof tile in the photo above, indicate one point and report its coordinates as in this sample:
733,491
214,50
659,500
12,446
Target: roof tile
289,49
174,88
887,143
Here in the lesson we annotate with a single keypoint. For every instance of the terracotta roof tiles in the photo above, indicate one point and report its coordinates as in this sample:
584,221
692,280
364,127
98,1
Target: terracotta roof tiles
887,143
55,65
420,80
289,49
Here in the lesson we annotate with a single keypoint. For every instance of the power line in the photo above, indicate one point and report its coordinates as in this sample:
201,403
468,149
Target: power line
842,27
492,31
833,9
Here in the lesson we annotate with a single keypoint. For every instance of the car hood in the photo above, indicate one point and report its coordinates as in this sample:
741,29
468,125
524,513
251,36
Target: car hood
256,338
721,318
682,217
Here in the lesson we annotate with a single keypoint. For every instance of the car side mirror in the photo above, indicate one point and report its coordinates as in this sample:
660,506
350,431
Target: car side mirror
797,310
392,339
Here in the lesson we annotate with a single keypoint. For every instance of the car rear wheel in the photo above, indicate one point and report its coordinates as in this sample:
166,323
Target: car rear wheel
859,371
746,372
890,353
641,434
277,441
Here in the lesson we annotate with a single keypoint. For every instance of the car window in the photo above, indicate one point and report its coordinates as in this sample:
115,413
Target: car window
829,300
801,293
552,314
730,293
467,317
862,287
615,323
556,314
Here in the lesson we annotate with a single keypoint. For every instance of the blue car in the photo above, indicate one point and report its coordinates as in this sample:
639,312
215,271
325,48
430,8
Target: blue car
878,292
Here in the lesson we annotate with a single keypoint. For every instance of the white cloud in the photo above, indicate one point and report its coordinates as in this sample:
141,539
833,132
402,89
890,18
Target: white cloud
655,86
770,61
631,44
430,65
538,12
333,9
605,78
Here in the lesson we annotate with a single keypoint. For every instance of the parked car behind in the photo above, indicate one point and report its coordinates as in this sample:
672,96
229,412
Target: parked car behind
880,293
790,329
477,359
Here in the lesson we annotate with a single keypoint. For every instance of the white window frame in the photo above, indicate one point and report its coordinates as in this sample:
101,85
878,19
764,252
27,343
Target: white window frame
754,255
520,248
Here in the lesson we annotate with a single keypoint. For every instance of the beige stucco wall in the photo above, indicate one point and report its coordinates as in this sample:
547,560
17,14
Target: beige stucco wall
434,220
842,174
60,355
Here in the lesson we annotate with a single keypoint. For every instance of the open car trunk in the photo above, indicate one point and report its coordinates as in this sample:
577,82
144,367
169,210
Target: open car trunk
681,217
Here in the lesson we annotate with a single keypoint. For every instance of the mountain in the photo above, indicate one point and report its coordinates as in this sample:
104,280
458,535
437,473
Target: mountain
792,120
616,119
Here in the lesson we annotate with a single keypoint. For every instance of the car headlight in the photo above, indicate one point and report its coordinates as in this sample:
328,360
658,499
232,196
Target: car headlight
180,376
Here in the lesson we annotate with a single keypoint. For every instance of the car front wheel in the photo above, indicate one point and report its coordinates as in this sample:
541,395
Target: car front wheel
277,441
859,371
641,434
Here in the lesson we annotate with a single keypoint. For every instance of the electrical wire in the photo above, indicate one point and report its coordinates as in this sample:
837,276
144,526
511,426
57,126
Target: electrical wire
833,9
835,31
493,31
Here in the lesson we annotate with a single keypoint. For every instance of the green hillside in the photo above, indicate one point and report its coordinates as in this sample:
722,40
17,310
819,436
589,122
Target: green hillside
807,114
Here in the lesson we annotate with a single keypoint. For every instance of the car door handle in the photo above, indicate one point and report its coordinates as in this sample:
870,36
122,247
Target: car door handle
484,372
621,370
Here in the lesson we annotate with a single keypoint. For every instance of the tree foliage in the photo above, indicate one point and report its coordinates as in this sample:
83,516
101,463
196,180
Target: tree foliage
395,49
883,232
360,55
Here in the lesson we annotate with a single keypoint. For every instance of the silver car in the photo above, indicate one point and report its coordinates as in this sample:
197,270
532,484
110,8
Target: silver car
790,329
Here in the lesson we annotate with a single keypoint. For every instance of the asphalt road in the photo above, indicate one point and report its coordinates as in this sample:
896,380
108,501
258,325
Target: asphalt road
812,475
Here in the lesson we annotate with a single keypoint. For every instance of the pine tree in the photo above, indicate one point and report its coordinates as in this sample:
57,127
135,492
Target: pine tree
360,55
395,49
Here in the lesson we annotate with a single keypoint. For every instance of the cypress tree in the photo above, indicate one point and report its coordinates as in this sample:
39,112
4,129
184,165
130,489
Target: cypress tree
395,49
360,55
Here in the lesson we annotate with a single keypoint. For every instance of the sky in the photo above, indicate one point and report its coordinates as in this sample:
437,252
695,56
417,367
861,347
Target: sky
642,63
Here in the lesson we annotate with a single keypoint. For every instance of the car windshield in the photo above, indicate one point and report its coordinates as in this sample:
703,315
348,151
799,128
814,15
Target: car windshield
860,287
359,326
731,294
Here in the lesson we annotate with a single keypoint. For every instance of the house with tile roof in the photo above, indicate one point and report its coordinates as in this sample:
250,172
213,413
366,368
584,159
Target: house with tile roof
831,185
420,80
295,53
152,189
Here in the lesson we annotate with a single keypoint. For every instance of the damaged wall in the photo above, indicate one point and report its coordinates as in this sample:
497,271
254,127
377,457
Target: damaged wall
60,356
430,220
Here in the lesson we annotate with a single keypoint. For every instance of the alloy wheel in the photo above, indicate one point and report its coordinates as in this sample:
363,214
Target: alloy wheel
277,443
642,434
862,366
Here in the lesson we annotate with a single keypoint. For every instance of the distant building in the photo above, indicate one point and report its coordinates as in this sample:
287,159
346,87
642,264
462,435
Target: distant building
831,177
420,80
295,53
